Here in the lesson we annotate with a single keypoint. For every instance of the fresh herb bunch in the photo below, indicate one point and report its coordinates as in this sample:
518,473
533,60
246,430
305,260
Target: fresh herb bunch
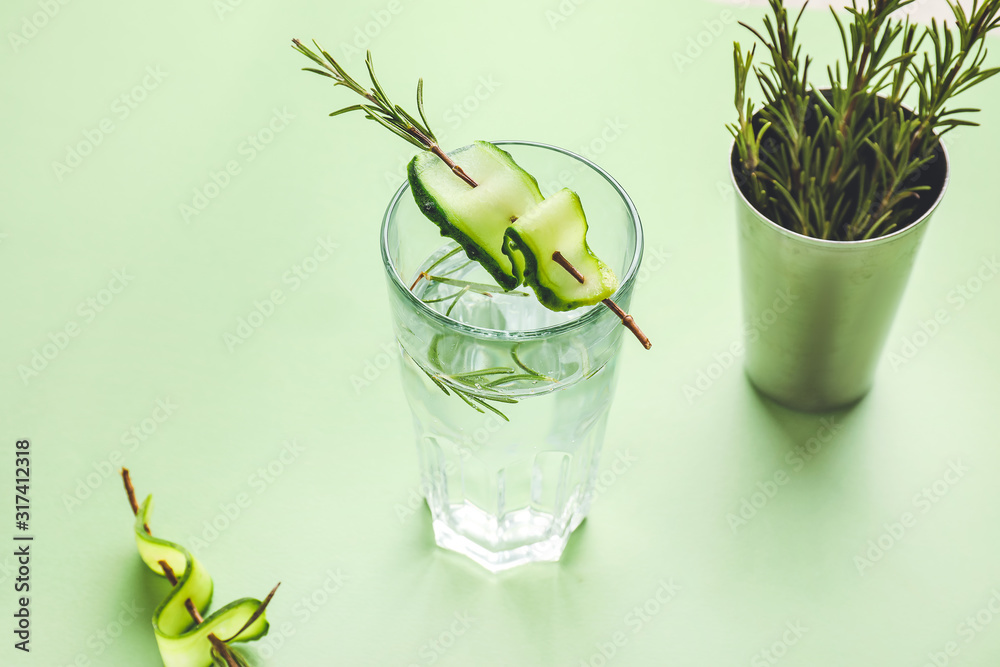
846,163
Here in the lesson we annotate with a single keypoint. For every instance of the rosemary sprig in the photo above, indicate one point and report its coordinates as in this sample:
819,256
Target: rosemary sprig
477,387
478,288
440,260
517,377
458,268
379,109
395,119
455,299
476,401
844,163
467,287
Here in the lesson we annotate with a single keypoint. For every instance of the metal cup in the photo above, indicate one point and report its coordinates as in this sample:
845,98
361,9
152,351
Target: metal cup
817,313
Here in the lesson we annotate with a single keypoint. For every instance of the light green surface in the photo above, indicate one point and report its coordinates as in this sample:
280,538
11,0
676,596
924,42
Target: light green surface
335,509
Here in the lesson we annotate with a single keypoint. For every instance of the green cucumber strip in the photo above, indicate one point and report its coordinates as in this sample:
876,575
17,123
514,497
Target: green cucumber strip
181,642
559,224
193,649
476,218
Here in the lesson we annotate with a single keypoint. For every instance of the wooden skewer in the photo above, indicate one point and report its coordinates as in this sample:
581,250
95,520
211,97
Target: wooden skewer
558,258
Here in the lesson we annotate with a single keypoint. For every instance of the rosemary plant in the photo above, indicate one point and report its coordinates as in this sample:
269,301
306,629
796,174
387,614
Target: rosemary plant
846,163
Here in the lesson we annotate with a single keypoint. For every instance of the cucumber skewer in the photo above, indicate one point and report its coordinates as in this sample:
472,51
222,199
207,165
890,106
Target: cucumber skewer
394,118
181,644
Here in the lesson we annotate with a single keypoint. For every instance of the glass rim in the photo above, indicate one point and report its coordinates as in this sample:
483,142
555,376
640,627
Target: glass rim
592,314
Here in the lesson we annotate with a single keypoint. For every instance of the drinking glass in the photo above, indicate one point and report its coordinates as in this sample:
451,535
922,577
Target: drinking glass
509,400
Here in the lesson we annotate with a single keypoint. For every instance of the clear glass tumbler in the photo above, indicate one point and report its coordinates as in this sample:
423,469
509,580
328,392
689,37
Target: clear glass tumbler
510,400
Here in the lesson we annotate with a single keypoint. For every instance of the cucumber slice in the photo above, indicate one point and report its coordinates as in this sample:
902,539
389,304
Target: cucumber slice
181,642
558,224
476,217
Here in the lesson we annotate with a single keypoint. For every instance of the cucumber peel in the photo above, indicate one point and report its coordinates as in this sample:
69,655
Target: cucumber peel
182,643
558,224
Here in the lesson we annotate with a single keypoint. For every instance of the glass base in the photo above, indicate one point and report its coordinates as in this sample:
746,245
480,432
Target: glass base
519,537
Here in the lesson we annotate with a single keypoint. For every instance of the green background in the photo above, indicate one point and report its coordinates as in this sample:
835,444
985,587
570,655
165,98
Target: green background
363,583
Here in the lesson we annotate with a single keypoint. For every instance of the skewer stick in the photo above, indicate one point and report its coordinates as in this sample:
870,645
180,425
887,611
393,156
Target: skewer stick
558,258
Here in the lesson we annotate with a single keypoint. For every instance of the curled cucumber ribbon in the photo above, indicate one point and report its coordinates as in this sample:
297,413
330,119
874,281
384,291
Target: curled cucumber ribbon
182,641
